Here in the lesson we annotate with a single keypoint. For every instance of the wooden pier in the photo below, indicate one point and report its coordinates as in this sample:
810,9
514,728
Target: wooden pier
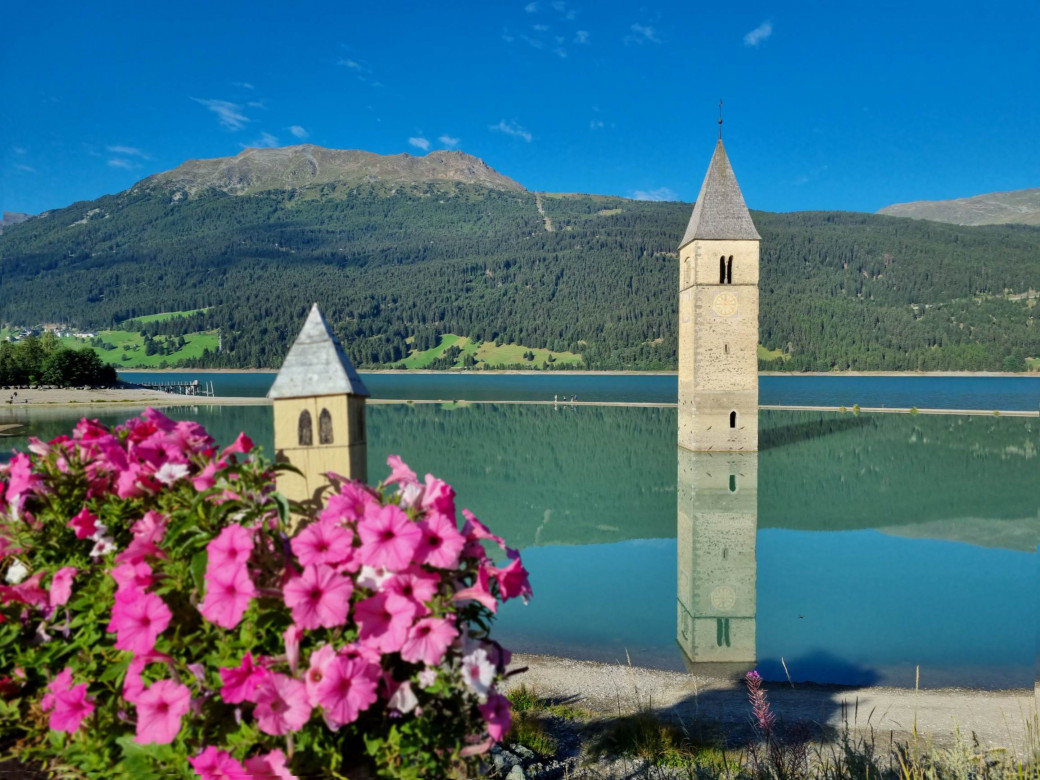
194,388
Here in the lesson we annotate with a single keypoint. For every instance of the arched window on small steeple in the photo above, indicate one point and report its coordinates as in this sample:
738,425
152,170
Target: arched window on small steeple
729,270
732,419
325,427
305,429
722,270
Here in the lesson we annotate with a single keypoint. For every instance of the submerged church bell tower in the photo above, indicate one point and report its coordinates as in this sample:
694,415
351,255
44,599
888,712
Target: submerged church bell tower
718,318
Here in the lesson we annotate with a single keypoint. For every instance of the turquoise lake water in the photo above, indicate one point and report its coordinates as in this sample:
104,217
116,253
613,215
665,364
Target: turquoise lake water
855,548
1007,393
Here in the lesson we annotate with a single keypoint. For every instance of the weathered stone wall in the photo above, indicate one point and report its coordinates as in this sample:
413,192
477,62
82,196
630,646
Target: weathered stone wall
717,567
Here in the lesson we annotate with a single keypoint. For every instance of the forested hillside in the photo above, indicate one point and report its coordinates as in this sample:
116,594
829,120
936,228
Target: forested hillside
395,266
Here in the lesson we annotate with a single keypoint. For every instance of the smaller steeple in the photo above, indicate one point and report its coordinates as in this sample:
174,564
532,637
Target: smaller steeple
316,365
720,212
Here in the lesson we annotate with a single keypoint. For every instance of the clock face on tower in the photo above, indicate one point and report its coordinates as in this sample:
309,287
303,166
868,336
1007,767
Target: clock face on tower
725,304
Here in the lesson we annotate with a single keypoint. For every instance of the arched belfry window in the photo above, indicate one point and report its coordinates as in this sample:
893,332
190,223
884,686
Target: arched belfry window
722,270
732,485
729,270
732,419
305,429
325,427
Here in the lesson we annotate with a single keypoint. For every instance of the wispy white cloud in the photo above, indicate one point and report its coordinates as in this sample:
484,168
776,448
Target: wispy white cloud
265,141
642,33
228,114
513,129
596,124
353,64
450,141
562,7
119,162
540,27
24,168
298,131
759,34
18,149
257,104
129,151
531,8
582,36
661,193
242,84
420,143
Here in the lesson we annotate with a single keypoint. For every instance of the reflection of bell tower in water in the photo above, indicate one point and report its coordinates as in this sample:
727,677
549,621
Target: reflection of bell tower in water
718,425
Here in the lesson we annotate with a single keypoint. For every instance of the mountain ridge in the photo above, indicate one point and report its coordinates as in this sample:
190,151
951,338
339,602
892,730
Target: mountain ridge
1014,207
255,170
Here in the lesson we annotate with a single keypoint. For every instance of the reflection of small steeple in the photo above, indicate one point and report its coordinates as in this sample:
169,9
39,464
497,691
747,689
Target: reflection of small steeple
717,571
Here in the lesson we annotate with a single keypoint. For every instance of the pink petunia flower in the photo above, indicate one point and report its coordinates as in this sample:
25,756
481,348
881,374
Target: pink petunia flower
137,620
496,715
20,479
61,585
292,636
214,764
384,620
71,706
415,584
231,547
479,591
169,473
349,504
323,542
347,688
388,537
441,542
474,529
478,672
159,712
62,682
242,444
228,594
271,766
84,524
318,597
404,699
241,682
512,578
281,705
399,472
206,478
132,576
438,496
428,640
319,662
133,684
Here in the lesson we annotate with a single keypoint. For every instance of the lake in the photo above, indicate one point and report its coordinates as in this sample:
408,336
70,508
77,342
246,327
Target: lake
851,548
924,392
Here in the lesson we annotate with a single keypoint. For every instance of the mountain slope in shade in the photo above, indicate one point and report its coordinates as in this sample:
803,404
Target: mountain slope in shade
1020,207
289,167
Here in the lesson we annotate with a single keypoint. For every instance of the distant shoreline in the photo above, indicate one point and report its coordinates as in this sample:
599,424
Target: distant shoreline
585,372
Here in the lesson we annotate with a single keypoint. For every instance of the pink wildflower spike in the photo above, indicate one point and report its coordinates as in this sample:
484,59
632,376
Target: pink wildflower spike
61,585
478,591
399,472
496,715
271,766
214,764
231,547
229,592
318,597
384,620
347,689
242,444
388,537
84,524
281,705
241,682
438,496
137,620
159,712
763,715
428,640
323,542
71,706
441,542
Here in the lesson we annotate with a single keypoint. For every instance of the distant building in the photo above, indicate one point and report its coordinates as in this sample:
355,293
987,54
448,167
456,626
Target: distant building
718,318
319,413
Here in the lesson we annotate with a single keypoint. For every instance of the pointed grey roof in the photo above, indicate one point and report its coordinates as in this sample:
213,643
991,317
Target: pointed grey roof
720,212
316,365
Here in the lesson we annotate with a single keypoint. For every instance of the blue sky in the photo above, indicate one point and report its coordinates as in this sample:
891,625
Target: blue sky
827,105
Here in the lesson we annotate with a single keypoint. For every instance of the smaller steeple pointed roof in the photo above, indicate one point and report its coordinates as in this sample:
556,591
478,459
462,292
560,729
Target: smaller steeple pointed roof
316,365
720,211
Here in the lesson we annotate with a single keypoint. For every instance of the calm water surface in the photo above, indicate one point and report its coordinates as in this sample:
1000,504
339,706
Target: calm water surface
1007,393
853,547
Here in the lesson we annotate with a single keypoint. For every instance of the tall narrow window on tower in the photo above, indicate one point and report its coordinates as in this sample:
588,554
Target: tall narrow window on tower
325,427
729,270
722,270
305,429
732,419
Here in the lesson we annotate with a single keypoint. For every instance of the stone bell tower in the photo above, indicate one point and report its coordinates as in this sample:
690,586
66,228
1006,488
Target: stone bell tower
319,413
718,318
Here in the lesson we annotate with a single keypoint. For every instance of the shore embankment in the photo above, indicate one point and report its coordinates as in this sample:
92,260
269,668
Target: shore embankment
999,718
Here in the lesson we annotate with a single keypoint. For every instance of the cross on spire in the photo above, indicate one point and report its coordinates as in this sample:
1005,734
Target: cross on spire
720,119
